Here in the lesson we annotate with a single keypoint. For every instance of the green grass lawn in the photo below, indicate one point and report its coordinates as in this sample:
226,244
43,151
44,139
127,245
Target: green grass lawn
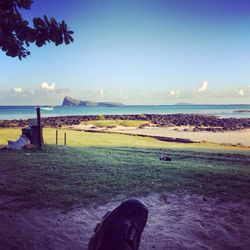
101,167
88,139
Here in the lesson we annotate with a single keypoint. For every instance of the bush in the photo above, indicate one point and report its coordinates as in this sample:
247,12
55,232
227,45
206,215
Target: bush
101,117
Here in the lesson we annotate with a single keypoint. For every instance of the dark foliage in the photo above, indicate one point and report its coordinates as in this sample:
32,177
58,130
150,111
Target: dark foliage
16,34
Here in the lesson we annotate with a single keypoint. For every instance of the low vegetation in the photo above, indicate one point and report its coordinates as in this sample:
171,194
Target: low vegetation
109,166
114,123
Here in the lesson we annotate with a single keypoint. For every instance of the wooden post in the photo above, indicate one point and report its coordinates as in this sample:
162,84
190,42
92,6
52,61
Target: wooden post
39,128
65,138
56,137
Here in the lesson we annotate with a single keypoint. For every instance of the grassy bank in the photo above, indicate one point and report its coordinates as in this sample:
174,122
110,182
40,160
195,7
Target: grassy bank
88,139
101,167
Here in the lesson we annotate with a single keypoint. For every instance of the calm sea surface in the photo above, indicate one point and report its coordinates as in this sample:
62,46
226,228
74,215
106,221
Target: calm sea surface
25,112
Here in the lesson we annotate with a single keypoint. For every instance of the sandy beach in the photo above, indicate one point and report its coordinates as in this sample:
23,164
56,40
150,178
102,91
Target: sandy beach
238,137
175,222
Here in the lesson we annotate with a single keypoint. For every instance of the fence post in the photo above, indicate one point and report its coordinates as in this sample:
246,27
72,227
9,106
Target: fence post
65,138
56,137
39,128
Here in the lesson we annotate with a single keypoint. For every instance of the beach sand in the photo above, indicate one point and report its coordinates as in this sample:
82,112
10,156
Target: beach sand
185,132
175,222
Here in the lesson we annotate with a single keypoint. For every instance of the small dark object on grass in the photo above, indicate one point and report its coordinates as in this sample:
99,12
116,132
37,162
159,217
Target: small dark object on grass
165,158
121,229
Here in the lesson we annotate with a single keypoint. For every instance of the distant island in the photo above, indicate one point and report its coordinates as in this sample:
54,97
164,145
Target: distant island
69,101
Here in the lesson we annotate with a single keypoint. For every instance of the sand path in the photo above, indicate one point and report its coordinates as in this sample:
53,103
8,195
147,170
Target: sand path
175,222
227,137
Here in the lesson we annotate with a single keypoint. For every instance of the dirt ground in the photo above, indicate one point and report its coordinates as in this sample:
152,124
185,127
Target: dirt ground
175,222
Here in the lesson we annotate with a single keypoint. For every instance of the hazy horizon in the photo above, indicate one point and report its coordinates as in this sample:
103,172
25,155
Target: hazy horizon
138,104
137,52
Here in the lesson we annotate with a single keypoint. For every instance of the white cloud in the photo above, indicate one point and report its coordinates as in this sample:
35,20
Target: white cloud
203,87
18,90
101,92
241,92
172,92
175,93
46,86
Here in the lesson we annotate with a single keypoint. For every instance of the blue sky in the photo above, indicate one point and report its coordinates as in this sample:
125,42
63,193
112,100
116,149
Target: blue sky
137,52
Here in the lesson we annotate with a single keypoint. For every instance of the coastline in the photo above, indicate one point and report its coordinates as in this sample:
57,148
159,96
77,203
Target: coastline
200,122
176,127
223,110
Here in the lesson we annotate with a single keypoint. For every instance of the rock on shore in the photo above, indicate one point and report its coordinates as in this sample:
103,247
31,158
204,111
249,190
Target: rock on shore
200,122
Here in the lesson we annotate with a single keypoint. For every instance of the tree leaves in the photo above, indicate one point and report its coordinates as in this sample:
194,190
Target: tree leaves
16,34
39,23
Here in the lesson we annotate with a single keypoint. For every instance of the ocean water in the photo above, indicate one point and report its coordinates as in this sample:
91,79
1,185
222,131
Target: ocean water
224,111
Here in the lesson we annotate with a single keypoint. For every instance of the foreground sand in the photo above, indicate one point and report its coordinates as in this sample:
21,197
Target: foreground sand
185,132
175,222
